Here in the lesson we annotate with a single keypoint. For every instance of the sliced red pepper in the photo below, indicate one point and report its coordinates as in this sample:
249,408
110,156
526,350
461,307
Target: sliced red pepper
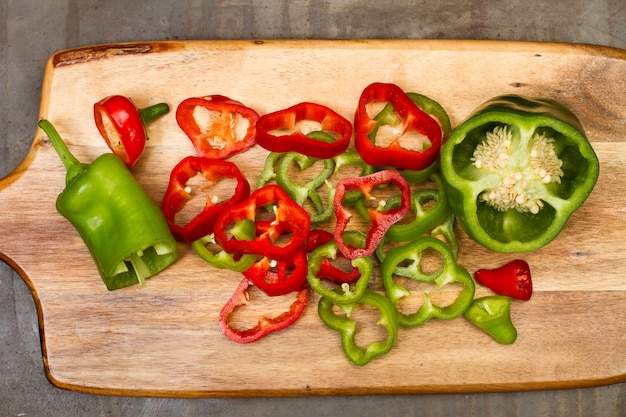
379,220
214,132
290,221
330,122
290,275
177,195
413,119
512,279
265,325
123,125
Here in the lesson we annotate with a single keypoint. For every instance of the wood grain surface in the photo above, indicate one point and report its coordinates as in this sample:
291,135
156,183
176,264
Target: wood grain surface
164,339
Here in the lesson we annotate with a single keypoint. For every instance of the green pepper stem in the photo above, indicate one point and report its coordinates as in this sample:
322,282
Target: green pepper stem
151,113
72,165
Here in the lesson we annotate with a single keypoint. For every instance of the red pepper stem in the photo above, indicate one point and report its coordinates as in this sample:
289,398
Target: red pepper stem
72,165
151,113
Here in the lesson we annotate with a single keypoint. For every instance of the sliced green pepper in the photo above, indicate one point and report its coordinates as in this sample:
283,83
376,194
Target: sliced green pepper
492,314
348,328
389,117
330,250
423,220
243,230
124,230
516,170
308,191
268,173
395,263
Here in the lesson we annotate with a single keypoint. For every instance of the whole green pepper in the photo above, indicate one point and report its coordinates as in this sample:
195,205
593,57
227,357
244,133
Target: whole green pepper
516,170
395,263
348,328
124,230
492,314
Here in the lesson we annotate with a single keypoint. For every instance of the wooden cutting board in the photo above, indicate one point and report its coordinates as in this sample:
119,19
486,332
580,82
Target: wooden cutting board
164,339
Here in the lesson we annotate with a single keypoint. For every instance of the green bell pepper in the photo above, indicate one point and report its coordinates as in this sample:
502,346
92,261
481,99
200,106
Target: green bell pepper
124,230
516,170
395,264
492,314
348,328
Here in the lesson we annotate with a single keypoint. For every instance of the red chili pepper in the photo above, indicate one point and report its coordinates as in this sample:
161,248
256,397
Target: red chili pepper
290,221
177,195
413,119
512,279
380,221
330,122
123,125
289,277
211,123
265,325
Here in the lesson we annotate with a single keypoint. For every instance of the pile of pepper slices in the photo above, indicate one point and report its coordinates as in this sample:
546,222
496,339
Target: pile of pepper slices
397,213
282,248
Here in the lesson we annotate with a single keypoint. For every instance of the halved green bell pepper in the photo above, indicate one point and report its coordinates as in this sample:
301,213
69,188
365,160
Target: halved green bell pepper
123,228
516,170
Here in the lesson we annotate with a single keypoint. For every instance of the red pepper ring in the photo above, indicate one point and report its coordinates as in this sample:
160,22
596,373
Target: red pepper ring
330,121
176,195
217,136
289,218
265,325
414,118
282,281
380,221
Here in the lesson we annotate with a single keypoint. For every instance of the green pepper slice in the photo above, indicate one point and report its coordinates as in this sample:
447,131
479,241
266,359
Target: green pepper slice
243,230
348,328
424,219
124,230
364,265
516,170
309,190
449,273
492,314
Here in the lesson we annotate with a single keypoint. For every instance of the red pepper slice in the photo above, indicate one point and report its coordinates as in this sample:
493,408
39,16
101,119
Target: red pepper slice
211,124
413,118
512,279
380,221
290,221
123,125
330,121
265,325
282,281
176,195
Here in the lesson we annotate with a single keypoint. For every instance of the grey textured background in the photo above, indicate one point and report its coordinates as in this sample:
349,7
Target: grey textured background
32,30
